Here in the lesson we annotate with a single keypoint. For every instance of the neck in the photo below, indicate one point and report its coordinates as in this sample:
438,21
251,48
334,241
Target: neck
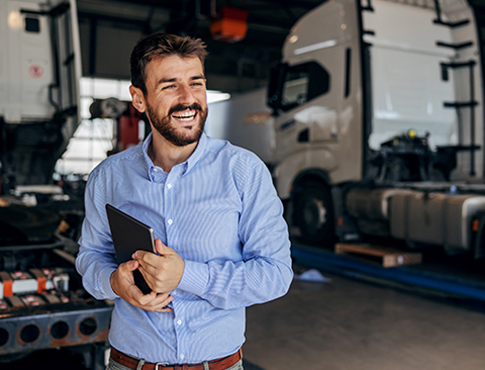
166,155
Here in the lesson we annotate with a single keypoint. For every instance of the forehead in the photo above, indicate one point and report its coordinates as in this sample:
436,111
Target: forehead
173,67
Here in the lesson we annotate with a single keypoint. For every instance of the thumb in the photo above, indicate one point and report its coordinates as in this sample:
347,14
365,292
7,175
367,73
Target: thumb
161,248
130,265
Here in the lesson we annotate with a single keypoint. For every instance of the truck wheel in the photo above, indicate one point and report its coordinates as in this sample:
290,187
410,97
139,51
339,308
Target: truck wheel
314,214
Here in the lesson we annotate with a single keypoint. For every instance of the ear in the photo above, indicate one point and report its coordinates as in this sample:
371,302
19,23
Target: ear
138,99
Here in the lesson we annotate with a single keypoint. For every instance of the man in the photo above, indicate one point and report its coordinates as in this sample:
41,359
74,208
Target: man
221,239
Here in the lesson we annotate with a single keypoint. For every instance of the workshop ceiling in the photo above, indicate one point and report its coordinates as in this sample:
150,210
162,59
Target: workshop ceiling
109,29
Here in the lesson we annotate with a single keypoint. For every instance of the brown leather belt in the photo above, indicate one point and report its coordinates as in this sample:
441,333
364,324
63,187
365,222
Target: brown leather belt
219,364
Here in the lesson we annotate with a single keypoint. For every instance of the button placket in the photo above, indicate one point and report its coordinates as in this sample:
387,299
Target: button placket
157,175
168,186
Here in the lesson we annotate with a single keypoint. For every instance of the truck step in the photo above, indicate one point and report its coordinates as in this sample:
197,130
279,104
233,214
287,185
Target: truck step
383,256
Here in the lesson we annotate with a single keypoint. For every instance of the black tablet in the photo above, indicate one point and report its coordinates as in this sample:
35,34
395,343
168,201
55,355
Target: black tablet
130,235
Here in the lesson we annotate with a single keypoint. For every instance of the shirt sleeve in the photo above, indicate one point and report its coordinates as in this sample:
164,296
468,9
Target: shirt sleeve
265,271
96,260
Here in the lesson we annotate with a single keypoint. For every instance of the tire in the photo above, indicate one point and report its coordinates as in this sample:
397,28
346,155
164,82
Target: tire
314,214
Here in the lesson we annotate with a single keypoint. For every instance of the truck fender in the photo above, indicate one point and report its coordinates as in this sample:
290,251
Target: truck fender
299,164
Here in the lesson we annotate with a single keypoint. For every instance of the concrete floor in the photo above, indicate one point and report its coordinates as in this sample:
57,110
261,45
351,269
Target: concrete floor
348,324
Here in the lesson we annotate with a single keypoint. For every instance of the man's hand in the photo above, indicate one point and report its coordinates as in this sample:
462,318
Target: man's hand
164,272
123,284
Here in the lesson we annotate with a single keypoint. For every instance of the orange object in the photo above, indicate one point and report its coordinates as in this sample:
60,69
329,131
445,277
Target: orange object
7,284
340,221
41,280
231,26
128,128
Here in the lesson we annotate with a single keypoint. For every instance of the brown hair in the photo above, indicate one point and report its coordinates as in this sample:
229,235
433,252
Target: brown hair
160,45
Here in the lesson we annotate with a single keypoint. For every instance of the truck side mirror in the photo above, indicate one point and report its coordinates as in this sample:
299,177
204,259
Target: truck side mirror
275,83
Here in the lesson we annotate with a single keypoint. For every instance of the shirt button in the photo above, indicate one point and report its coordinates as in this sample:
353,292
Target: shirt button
170,221
169,186
174,292
155,170
182,356
179,322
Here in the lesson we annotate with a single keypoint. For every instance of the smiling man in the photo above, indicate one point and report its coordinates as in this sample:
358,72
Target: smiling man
221,238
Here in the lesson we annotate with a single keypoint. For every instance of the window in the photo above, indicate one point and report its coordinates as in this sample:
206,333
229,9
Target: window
32,24
93,138
303,83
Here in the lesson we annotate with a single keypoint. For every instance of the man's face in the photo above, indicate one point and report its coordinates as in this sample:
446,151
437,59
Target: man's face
176,101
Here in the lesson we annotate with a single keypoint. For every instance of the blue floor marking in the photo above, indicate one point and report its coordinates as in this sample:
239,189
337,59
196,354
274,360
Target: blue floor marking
331,262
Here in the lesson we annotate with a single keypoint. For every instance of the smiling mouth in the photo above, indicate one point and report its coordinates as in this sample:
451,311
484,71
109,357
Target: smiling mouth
183,116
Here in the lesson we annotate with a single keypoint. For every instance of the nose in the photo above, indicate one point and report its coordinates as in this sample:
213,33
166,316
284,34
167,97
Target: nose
186,95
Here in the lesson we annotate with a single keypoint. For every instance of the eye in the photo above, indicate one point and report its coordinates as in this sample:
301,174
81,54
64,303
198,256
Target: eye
168,87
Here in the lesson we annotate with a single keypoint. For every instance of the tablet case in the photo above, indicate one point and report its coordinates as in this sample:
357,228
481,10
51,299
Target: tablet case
130,235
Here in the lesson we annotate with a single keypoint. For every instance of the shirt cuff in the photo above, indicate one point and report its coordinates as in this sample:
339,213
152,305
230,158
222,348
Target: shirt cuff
195,278
105,283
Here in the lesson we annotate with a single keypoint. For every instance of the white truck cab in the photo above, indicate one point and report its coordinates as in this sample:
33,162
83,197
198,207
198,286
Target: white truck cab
380,92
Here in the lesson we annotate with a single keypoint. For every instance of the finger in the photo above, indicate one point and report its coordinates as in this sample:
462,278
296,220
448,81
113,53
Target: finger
147,299
136,294
161,300
164,309
164,299
151,269
153,273
157,302
146,257
151,264
163,306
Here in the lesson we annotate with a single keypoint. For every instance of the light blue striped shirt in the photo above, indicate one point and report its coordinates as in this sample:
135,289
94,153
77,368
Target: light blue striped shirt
220,212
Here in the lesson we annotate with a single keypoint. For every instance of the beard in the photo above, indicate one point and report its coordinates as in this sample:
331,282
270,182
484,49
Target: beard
179,136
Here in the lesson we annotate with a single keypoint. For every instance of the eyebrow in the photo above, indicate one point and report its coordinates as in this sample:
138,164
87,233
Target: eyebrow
168,80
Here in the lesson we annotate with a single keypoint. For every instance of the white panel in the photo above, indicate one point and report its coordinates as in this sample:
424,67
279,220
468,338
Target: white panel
409,94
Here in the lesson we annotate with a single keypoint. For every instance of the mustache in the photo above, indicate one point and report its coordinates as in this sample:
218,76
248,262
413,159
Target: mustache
181,107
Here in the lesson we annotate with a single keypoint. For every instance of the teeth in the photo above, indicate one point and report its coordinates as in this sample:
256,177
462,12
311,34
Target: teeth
185,116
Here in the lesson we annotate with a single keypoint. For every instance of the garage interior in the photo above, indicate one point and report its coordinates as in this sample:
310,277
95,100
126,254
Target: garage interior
365,303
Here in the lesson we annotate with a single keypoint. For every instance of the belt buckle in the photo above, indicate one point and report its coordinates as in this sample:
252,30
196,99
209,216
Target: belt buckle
163,364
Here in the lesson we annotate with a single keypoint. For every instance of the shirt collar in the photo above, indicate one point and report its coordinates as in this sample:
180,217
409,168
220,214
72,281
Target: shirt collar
148,161
188,164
